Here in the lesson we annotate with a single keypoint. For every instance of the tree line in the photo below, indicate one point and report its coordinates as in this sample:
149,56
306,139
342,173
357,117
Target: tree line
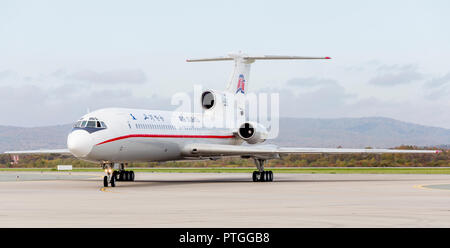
299,160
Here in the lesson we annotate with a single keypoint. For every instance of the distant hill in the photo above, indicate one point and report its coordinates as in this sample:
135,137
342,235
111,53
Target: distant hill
358,133
345,132
21,138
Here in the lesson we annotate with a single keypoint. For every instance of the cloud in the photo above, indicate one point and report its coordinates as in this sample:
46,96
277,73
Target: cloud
132,76
332,100
438,88
440,81
319,102
391,75
6,74
310,82
32,105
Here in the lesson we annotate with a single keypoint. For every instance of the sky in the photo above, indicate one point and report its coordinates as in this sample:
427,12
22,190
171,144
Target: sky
60,59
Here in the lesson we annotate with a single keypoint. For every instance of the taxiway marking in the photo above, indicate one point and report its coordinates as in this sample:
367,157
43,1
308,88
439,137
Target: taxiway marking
421,186
104,189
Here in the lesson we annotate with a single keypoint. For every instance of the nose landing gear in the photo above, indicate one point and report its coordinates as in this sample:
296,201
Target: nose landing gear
116,175
261,175
108,178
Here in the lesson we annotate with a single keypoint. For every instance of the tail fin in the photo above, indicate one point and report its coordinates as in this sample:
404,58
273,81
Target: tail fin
238,82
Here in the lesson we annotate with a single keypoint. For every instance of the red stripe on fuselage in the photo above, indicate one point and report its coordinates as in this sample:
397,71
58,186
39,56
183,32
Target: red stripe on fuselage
168,136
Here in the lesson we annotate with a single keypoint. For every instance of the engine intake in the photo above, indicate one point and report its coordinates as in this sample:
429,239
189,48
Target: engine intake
252,133
208,100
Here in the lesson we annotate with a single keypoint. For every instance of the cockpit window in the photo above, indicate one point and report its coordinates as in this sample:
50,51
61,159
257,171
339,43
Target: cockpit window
92,122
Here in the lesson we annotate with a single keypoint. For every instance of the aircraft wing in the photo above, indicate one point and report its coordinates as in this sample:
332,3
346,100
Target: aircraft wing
205,150
47,151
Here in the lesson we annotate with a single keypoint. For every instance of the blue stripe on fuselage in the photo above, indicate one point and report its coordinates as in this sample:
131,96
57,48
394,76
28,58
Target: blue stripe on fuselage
88,129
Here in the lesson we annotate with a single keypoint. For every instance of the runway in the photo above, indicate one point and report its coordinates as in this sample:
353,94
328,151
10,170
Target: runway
53,199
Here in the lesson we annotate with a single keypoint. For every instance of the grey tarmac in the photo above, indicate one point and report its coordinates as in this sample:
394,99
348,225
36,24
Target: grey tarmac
53,199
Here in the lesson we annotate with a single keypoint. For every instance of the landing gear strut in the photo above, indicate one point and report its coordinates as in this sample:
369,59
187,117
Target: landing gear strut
261,175
116,175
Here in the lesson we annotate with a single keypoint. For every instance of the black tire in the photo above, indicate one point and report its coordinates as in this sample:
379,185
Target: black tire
105,181
127,176
120,175
254,177
271,176
262,178
132,176
113,182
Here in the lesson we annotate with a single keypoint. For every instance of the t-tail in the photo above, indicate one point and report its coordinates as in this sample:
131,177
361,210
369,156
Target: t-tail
238,82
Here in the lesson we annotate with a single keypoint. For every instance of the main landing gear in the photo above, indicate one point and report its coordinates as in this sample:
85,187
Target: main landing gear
112,176
261,175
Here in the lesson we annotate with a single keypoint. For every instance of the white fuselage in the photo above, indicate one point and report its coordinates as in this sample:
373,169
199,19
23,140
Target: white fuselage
137,135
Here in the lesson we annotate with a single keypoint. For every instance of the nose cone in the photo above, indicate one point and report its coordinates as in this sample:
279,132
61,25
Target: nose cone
80,143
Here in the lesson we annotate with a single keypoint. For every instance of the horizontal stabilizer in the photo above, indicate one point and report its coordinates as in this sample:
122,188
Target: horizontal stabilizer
252,58
209,59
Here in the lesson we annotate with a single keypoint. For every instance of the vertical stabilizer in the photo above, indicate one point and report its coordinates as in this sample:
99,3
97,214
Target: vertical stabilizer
238,82
239,79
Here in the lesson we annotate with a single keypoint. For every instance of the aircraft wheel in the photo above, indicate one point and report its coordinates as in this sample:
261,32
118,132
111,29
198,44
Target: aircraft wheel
270,176
131,175
115,175
254,177
105,181
113,182
262,178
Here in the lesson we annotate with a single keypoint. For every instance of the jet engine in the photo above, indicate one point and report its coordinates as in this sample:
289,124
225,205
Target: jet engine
208,99
252,133
211,99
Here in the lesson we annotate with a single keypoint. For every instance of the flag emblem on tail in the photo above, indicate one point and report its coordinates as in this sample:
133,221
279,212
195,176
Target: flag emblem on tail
241,84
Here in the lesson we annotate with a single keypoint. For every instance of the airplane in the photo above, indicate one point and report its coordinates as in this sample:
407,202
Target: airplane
114,137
